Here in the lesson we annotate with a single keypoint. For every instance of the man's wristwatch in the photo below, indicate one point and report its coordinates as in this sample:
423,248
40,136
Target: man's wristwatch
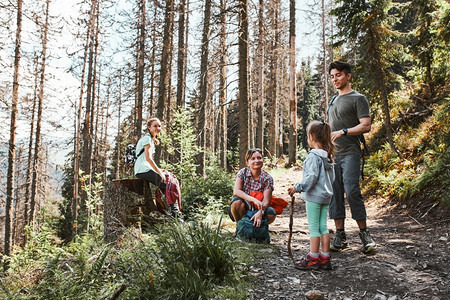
345,130
262,211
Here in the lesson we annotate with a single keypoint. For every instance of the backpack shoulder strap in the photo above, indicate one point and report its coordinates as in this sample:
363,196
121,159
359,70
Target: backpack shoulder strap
331,102
140,152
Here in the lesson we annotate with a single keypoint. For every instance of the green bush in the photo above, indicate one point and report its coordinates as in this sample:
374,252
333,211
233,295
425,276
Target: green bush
214,192
423,170
181,262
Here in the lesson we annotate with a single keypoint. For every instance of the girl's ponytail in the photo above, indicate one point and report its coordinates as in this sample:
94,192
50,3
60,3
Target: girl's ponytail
321,132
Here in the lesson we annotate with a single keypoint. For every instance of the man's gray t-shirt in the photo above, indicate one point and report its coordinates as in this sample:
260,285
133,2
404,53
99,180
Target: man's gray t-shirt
345,112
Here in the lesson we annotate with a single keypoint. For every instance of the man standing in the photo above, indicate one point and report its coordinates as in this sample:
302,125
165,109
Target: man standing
349,117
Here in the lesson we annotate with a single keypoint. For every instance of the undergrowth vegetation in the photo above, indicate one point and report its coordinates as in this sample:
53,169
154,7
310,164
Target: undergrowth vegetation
191,260
423,170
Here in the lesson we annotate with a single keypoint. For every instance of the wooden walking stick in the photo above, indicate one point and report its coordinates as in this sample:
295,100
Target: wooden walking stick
291,221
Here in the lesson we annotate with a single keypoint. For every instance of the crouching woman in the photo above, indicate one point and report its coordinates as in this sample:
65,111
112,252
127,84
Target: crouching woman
252,182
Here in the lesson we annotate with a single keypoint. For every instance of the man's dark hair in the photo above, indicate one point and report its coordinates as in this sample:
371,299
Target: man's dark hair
340,66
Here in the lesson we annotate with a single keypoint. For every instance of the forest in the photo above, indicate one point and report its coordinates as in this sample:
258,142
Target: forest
79,80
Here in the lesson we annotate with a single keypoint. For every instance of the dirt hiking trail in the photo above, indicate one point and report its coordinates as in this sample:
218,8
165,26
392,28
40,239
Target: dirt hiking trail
411,262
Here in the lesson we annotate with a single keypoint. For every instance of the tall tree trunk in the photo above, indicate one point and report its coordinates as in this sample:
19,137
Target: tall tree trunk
168,106
152,64
119,136
243,81
105,135
30,151
292,94
201,127
37,142
181,64
77,154
273,111
94,98
261,86
223,87
382,86
141,68
164,69
325,63
12,136
98,114
87,136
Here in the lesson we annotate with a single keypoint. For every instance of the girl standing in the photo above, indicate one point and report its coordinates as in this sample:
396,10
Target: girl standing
317,191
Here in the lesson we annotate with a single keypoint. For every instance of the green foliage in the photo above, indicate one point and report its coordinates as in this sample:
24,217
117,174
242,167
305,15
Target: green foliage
428,41
181,146
308,105
93,202
214,192
423,172
181,262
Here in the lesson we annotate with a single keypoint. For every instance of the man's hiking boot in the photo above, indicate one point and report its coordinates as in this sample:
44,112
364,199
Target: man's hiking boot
325,262
340,241
368,242
308,263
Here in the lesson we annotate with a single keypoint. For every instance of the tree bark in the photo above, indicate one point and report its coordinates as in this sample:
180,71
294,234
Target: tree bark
39,116
141,67
30,151
182,49
164,70
273,111
243,82
261,85
119,135
223,87
325,63
87,136
201,127
12,136
152,64
292,94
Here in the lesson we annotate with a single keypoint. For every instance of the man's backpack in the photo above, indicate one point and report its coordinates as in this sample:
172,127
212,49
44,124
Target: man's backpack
130,156
246,231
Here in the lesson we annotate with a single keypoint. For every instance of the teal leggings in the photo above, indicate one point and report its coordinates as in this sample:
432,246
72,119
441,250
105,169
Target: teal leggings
317,218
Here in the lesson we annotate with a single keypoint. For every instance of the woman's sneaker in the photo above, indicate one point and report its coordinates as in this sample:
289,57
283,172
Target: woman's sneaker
340,241
325,262
367,240
308,263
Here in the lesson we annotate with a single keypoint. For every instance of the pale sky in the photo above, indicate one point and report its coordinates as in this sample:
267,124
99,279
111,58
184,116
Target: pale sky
62,88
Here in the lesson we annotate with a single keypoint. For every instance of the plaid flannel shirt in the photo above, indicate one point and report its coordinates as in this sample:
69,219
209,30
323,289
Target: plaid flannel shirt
264,182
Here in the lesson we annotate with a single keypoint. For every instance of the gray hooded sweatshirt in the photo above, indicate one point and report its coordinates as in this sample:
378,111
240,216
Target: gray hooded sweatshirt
318,177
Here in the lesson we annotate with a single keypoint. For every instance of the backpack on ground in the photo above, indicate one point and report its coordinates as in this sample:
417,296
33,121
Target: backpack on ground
246,231
130,156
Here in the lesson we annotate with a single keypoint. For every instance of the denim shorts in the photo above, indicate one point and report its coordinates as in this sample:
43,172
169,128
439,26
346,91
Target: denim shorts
347,171
269,210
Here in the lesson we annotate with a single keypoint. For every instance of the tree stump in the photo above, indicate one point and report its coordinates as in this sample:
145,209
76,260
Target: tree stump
127,202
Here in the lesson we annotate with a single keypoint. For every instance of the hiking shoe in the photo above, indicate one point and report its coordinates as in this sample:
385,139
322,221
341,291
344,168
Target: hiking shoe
368,242
308,263
340,241
324,262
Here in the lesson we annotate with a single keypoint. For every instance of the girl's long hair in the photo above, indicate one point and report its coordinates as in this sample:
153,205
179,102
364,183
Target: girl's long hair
321,132
149,123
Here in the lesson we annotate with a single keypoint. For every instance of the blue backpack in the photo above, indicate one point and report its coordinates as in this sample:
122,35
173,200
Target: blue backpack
246,231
